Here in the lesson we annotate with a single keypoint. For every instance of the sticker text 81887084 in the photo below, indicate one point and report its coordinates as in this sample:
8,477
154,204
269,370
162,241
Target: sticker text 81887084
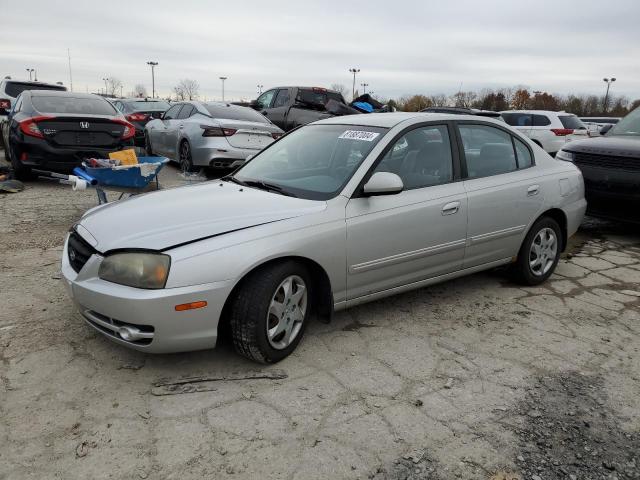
359,135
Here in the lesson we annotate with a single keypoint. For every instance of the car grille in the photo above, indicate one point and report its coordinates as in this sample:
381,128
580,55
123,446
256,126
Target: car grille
78,251
603,161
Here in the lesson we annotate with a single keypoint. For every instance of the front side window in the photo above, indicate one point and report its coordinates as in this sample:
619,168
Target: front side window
421,158
264,100
282,98
487,150
313,162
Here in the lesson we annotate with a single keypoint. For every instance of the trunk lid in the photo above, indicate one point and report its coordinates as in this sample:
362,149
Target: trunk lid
81,130
251,135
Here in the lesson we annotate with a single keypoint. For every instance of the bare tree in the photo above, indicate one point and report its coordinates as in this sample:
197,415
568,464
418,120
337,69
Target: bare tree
140,91
340,88
439,100
463,99
113,85
187,89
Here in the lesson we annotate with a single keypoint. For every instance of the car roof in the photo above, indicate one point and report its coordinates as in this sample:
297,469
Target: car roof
391,119
306,88
60,93
541,112
139,99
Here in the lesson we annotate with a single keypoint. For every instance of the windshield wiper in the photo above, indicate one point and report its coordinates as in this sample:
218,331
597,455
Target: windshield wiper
231,178
262,185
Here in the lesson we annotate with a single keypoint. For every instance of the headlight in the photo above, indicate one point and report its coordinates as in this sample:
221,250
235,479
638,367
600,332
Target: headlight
566,156
136,269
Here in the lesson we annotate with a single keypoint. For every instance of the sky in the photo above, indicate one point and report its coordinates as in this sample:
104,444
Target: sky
401,47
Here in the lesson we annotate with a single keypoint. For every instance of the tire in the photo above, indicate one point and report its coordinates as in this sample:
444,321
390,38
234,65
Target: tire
20,172
535,265
257,332
185,159
147,145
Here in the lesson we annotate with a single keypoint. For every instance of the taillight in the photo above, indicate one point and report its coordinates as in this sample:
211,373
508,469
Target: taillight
217,131
30,126
137,117
5,104
276,135
129,130
561,132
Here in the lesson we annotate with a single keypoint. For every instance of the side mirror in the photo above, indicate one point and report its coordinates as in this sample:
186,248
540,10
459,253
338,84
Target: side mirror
383,183
254,104
605,129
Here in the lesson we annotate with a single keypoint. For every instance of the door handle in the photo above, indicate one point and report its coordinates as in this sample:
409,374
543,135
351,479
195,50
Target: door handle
450,208
181,126
533,190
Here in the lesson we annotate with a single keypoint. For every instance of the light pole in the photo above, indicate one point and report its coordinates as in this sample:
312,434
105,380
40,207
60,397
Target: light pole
30,70
153,65
105,85
223,79
353,90
364,87
260,89
606,96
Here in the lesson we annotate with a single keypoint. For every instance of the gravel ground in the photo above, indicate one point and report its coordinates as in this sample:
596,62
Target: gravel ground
475,378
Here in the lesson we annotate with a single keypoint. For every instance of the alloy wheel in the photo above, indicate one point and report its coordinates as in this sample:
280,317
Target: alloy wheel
543,251
185,158
286,312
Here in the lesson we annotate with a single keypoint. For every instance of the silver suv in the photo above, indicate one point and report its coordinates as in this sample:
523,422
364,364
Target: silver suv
9,91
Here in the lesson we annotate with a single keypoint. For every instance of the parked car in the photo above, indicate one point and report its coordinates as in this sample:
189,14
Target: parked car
9,91
550,130
610,165
139,111
334,214
290,107
464,111
595,124
56,130
209,134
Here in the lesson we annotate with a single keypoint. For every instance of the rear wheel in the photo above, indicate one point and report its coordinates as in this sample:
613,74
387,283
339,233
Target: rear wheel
539,253
186,161
20,171
147,145
268,316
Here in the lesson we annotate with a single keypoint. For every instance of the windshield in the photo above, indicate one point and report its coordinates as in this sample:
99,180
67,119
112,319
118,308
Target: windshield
74,105
152,105
14,89
629,125
314,162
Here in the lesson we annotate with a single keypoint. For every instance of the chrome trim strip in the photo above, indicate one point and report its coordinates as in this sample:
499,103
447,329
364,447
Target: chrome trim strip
487,237
406,256
88,314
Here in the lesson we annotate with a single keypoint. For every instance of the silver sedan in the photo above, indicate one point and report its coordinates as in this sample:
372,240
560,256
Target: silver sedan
339,212
209,134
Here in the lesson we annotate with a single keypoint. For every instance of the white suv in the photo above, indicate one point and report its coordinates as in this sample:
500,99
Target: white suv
9,91
550,130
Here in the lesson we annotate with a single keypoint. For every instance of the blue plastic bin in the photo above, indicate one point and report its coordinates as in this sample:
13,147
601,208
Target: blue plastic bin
127,177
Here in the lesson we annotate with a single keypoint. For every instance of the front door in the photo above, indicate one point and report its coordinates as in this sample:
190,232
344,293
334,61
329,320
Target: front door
395,240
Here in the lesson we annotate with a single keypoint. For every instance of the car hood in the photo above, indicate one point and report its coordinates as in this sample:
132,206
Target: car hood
617,146
170,218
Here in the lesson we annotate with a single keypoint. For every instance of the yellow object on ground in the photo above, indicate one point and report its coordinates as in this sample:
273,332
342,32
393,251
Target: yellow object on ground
126,157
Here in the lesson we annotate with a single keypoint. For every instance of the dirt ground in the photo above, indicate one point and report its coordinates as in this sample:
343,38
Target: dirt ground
473,379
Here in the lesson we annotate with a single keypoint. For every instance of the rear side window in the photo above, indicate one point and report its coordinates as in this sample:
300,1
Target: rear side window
541,121
487,150
186,112
571,121
13,89
518,119
317,96
234,112
73,105
523,154
172,113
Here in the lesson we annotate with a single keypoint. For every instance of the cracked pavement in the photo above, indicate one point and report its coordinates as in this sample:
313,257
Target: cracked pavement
437,383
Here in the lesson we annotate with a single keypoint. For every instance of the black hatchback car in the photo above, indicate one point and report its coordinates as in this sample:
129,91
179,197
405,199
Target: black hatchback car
610,165
139,111
57,130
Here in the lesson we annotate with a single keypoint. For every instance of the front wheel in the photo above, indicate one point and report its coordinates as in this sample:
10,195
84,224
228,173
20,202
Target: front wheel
269,314
539,253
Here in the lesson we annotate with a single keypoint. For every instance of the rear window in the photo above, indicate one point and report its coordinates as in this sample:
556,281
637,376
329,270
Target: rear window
73,105
317,96
148,106
571,121
517,119
13,89
234,112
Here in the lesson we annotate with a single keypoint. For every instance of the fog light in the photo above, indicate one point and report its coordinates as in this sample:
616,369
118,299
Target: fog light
127,334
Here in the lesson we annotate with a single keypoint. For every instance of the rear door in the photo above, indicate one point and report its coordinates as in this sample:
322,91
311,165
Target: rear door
503,191
395,240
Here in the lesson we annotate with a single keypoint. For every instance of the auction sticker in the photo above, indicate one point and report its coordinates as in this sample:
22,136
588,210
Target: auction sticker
359,135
